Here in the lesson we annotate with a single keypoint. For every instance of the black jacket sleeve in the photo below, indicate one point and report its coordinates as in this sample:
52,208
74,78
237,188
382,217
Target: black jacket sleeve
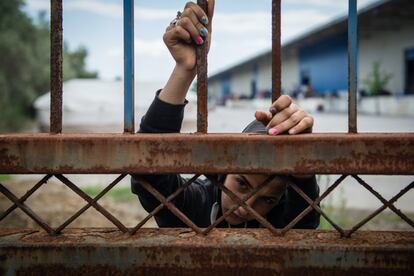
295,203
163,117
292,204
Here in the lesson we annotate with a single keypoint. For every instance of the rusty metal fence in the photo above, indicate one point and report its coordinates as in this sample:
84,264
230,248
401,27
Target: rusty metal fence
349,155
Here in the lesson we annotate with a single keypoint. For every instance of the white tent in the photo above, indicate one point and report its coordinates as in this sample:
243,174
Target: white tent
93,105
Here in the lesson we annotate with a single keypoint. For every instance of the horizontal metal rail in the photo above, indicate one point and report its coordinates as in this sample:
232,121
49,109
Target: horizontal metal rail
225,252
388,154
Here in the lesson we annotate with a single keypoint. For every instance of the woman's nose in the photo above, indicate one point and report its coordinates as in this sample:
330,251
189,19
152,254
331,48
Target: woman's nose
242,211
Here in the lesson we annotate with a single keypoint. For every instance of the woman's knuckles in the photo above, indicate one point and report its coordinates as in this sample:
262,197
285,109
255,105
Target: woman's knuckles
185,22
283,102
285,126
295,118
187,11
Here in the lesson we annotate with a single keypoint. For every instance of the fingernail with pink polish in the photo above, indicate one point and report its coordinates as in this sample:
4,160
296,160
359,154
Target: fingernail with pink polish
272,131
200,40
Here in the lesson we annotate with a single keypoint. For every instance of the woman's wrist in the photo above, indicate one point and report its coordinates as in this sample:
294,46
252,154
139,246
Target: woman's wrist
178,85
184,72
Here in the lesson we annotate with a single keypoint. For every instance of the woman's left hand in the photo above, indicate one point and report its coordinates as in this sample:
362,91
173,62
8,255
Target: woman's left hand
285,116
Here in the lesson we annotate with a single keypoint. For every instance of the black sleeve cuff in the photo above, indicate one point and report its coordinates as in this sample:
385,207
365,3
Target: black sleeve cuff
162,117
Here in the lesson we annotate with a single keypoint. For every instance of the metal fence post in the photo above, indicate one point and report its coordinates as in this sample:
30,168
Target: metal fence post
276,51
202,86
56,61
129,78
352,66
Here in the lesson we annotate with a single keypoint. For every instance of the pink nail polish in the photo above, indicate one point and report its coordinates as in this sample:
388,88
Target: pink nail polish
200,40
273,131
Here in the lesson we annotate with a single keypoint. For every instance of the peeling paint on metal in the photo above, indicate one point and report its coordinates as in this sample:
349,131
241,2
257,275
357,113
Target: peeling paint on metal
213,153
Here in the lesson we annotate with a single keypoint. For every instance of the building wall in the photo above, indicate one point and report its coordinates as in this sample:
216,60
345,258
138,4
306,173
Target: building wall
325,63
214,88
241,82
265,75
387,47
290,72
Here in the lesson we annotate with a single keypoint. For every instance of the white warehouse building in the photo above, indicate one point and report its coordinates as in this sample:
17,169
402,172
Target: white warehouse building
320,58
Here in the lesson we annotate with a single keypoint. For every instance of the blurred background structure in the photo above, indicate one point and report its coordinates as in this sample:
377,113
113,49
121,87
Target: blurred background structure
315,64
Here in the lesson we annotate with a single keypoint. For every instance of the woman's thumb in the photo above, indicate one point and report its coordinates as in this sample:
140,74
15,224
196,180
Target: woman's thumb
262,117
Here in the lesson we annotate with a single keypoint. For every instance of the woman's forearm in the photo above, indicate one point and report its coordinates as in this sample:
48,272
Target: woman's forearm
177,86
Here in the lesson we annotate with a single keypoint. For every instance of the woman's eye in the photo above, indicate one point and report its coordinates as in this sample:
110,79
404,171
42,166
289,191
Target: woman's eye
270,201
242,185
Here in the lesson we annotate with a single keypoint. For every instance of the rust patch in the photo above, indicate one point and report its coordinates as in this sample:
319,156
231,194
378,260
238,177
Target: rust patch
276,50
224,252
56,67
202,85
213,153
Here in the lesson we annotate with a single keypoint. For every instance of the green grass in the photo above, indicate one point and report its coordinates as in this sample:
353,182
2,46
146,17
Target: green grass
346,217
335,214
5,177
349,217
119,194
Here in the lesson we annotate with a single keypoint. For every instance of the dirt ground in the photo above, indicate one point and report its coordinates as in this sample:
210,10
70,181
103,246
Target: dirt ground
54,202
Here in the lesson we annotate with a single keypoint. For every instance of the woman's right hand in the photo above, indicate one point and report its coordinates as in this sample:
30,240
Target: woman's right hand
193,28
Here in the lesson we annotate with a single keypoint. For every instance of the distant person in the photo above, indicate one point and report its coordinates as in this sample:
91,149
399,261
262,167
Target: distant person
203,202
307,88
296,91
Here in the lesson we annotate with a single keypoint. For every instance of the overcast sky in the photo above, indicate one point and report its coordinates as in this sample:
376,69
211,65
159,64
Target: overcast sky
242,28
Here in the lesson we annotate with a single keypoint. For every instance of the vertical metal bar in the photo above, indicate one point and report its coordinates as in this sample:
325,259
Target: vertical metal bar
56,66
129,66
202,89
276,51
352,66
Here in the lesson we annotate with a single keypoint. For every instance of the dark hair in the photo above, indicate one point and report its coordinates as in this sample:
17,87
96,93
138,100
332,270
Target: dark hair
258,127
254,127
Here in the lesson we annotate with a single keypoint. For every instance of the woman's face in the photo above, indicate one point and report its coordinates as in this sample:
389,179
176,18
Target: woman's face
262,202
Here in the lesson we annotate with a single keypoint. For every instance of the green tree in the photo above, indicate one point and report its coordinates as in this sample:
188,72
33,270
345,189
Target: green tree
74,64
17,63
377,80
24,63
